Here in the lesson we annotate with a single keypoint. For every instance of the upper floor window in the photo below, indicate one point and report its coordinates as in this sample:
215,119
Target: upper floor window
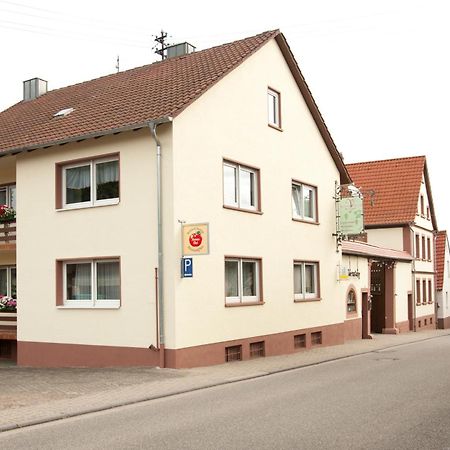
240,186
417,246
91,283
273,108
91,183
304,202
8,195
306,280
422,205
429,256
242,281
424,255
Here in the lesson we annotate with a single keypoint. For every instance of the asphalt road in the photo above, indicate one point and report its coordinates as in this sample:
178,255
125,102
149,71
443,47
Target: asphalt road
393,399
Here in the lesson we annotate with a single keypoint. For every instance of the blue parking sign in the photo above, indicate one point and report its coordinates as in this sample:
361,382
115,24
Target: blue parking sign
186,268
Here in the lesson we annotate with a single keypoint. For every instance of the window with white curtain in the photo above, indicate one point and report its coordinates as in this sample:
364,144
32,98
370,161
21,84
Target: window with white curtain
242,281
8,284
306,280
240,186
304,199
8,195
92,283
91,183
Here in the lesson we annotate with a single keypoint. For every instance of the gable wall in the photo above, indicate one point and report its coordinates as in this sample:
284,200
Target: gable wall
230,121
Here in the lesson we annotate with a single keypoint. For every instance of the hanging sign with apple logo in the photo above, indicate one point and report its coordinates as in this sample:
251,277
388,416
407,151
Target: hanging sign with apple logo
195,239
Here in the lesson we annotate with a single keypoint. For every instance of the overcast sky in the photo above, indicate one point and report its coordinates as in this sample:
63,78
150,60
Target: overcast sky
379,70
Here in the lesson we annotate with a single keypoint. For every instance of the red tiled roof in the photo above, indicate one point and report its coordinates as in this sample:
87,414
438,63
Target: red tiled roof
441,243
363,249
124,99
130,99
396,186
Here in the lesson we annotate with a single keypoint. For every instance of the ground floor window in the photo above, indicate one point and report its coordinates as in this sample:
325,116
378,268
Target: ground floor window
242,280
351,301
306,280
8,282
92,283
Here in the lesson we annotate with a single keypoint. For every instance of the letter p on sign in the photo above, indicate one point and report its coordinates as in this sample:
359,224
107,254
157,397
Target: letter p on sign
186,268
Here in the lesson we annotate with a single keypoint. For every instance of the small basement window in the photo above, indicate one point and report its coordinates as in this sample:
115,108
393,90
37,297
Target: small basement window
257,349
233,353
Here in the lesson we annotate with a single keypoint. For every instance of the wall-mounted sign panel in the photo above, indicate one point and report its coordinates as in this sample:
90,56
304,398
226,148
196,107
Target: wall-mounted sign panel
351,219
195,239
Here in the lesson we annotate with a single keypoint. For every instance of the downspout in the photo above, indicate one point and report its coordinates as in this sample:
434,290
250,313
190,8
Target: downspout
413,254
160,270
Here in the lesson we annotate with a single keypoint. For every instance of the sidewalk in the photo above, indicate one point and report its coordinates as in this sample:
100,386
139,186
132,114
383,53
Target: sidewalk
35,396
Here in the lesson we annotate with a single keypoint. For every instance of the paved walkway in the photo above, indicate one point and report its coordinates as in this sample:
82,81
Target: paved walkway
30,396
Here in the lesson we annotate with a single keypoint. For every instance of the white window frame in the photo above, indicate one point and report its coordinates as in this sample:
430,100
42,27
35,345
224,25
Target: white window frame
304,295
273,108
239,168
9,279
299,188
93,188
93,302
7,189
241,299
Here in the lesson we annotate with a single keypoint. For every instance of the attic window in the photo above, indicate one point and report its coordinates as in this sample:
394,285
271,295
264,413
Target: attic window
63,112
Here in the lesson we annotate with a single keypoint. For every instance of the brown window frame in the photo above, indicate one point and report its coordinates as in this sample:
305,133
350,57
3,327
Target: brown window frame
301,218
238,166
277,124
60,282
259,283
317,279
59,180
430,292
418,289
429,256
424,256
424,292
417,247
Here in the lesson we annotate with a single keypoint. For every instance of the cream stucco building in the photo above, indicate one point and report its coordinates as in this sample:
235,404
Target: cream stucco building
109,171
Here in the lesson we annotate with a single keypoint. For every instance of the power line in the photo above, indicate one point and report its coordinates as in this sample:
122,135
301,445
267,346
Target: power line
107,24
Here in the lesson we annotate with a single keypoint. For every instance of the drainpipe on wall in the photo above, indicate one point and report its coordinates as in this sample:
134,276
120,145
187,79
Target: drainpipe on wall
160,278
413,277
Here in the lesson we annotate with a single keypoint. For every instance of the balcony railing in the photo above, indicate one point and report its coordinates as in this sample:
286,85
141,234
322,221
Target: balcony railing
8,325
7,233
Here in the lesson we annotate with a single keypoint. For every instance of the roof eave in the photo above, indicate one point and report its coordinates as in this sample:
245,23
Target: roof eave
83,137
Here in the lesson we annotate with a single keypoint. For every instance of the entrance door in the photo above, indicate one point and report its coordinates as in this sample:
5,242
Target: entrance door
377,290
410,312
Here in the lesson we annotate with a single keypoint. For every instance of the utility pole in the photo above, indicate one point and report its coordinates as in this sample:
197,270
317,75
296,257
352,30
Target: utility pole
161,41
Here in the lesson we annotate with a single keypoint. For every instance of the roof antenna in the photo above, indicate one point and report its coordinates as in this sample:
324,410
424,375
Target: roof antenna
161,41
118,64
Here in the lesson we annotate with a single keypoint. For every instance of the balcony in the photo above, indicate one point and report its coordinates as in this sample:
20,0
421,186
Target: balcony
8,326
8,236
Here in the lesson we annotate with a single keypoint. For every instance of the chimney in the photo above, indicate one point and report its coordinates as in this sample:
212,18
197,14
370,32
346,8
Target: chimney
34,88
179,49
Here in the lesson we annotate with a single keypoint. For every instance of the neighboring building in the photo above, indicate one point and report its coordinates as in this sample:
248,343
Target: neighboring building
442,279
379,280
399,214
243,149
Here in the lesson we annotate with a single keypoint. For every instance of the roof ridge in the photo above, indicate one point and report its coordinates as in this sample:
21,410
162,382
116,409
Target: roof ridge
404,158
269,34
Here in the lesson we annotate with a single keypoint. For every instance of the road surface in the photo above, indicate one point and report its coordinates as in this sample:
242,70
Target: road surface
398,398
